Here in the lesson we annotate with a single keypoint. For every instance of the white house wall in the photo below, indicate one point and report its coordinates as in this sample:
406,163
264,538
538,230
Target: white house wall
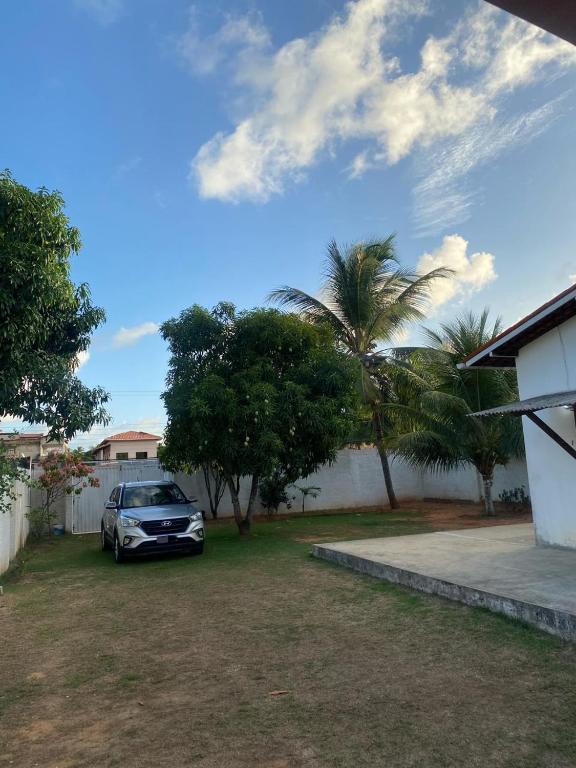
545,366
132,446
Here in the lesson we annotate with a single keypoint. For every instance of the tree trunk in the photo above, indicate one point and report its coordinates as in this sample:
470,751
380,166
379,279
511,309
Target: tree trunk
48,512
251,500
219,488
488,500
215,487
208,484
384,461
240,522
244,522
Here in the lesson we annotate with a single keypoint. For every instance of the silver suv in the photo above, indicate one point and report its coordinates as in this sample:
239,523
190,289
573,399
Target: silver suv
148,517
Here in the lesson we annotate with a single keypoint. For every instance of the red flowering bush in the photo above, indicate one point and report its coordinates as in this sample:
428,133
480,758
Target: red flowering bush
62,474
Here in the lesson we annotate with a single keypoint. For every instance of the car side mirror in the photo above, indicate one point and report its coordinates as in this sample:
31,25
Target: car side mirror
111,505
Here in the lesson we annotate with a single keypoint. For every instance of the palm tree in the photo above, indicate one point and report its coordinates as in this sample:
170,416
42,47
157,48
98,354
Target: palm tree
367,298
435,427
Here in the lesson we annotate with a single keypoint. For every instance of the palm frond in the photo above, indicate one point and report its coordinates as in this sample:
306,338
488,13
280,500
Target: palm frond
309,307
434,424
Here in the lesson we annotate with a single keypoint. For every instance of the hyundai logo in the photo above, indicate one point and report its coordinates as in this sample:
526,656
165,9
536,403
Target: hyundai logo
166,523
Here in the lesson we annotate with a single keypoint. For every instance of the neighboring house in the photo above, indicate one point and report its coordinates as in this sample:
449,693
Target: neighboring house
30,445
127,445
542,348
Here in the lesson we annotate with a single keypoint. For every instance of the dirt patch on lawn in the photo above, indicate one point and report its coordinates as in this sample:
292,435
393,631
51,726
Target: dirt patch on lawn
416,517
453,515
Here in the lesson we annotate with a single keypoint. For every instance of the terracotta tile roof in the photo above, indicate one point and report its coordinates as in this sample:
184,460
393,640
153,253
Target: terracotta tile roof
132,436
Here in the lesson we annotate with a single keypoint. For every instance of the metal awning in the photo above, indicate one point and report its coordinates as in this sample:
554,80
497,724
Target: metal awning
533,404
528,407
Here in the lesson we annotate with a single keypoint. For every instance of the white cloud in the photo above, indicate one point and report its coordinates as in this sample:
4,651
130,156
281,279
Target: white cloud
82,358
443,196
105,12
517,52
359,165
471,272
239,35
344,82
309,94
127,336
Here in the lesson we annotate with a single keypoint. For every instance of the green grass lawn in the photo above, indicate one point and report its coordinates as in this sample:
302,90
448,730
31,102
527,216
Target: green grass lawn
174,661
268,538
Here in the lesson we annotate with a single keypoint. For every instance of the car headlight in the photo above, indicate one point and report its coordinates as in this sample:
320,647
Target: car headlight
195,516
129,522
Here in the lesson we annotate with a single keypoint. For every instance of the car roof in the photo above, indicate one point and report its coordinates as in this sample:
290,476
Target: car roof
138,483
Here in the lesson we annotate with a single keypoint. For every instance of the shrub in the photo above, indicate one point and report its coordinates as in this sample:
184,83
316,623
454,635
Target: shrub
517,498
63,474
273,493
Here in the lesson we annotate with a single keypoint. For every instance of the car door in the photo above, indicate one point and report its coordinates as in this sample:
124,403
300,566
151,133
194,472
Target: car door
115,512
110,514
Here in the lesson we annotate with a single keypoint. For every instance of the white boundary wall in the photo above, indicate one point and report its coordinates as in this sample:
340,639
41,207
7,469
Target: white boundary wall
83,512
354,481
14,526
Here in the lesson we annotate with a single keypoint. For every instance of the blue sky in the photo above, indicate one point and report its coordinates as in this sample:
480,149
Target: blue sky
209,151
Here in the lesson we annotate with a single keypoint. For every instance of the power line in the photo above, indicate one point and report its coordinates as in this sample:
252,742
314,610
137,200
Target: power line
135,392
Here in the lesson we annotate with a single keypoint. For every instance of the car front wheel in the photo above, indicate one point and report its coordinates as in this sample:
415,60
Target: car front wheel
103,540
118,553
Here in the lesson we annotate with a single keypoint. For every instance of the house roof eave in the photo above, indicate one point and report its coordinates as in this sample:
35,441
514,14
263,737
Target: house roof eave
502,350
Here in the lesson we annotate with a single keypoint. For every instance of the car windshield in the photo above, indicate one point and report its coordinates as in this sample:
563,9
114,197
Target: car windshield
152,496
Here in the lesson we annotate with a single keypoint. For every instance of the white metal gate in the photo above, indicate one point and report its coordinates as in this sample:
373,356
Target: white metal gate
84,512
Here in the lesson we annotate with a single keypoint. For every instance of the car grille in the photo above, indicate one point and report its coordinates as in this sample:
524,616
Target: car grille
175,544
157,527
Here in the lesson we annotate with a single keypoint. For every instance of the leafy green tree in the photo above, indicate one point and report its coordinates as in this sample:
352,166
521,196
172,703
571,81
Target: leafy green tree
435,427
45,320
258,393
367,299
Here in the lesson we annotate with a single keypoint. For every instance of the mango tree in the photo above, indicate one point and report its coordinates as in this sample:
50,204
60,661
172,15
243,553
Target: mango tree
259,393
